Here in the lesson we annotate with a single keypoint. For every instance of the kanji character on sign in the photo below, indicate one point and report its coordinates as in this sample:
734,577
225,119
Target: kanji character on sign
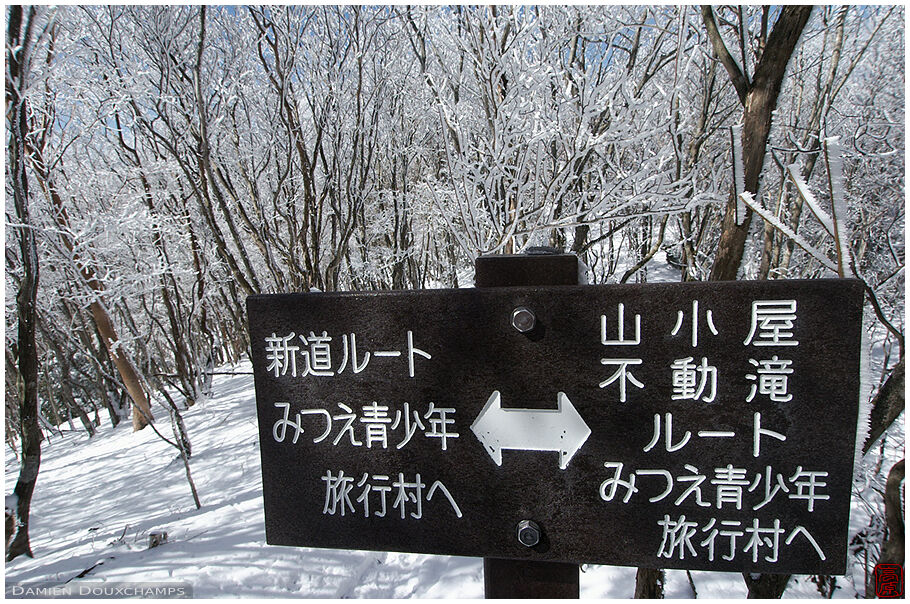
770,490
409,428
281,355
730,482
677,537
408,491
806,483
772,323
764,537
376,485
439,423
317,358
337,493
622,374
377,419
689,380
620,320
771,379
709,318
713,533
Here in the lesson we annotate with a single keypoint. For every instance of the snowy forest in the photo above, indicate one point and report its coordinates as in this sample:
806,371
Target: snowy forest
164,163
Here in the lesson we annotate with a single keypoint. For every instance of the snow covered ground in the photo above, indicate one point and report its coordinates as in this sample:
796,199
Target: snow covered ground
96,503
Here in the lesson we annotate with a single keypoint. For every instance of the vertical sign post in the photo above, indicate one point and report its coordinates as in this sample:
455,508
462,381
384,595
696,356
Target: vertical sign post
503,578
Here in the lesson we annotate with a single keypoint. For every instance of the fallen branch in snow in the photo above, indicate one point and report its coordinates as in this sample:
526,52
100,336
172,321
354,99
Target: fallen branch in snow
89,569
120,538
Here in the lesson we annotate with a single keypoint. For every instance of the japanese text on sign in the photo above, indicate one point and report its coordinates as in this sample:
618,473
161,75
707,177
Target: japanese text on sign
683,420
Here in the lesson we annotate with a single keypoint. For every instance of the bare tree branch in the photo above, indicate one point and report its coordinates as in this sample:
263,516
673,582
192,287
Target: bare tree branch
737,78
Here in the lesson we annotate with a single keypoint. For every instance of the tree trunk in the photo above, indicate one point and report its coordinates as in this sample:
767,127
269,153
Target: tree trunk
650,252
766,586
893,547
113,413
18,47
64,387
649,583
142,412
759,99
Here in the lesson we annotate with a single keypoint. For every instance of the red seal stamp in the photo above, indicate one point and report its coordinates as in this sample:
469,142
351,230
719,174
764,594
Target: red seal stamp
889,580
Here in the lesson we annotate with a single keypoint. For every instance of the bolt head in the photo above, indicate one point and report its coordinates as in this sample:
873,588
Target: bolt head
523,319
528,533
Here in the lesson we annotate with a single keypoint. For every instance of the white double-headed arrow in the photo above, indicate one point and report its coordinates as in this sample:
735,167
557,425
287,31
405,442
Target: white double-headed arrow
561,429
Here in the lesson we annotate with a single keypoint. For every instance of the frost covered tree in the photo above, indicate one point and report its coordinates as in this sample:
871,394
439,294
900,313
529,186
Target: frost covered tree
22,29
758,92
175,160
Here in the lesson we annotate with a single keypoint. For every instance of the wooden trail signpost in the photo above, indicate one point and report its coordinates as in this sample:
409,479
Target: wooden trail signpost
696,426
504,577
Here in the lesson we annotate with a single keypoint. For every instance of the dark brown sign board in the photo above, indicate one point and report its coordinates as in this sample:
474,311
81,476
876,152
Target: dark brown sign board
699,425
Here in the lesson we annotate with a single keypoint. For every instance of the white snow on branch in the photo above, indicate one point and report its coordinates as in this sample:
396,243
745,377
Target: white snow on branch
739,178
810,200
775,222
835,162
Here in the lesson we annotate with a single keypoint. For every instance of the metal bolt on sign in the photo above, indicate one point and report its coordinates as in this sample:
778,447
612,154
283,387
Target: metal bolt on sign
523,319
528,533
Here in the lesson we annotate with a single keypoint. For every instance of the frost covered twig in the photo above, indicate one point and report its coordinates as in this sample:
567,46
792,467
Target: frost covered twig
774,221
